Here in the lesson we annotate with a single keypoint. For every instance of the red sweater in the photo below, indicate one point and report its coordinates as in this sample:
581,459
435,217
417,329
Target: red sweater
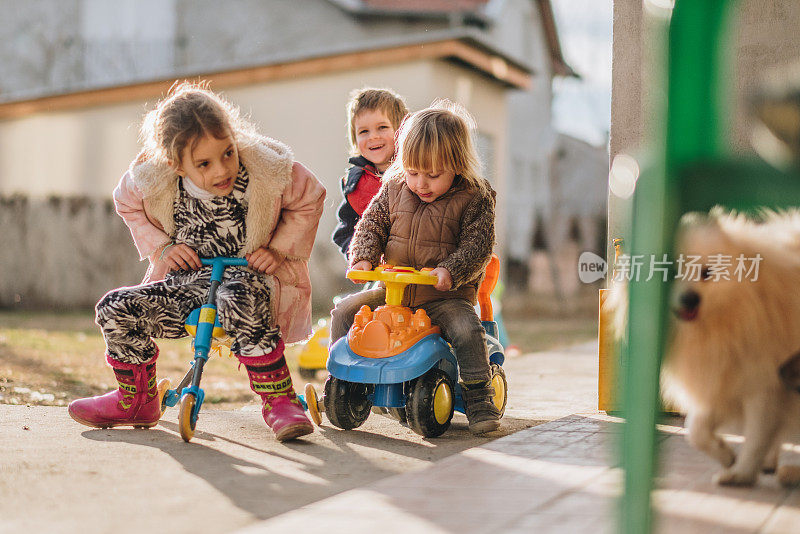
365,190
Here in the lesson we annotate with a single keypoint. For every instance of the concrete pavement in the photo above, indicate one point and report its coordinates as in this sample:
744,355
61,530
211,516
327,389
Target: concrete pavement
551,469
60,476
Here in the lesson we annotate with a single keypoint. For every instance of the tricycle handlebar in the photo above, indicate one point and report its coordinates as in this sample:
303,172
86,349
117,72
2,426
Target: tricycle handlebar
391,273
224,260
219,263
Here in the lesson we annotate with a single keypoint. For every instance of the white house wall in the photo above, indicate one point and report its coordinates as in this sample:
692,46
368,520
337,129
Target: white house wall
84,152
71,153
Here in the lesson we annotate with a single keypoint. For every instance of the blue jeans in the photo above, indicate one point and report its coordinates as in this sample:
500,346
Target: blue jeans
457,319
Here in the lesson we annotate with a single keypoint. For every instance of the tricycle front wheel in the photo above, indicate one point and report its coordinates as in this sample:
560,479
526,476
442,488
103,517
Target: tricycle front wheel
185,422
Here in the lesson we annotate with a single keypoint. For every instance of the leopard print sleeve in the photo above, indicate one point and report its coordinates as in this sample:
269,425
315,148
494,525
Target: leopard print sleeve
372,231
475,242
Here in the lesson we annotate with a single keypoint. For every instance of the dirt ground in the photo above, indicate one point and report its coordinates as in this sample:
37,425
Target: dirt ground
49,359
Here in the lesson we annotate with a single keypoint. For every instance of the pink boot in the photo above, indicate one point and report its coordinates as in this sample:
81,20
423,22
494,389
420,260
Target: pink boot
136,402
269,378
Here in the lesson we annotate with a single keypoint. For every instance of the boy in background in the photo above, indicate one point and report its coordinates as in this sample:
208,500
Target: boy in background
374,115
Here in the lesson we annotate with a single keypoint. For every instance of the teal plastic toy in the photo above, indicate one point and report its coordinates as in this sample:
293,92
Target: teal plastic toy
204,325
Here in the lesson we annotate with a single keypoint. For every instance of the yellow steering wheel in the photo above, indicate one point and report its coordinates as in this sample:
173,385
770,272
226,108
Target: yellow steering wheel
395,278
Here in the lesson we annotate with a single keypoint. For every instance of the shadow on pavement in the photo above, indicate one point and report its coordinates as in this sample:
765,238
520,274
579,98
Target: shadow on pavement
266,478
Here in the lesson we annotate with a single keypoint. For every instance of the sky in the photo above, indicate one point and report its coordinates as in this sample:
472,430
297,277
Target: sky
582,108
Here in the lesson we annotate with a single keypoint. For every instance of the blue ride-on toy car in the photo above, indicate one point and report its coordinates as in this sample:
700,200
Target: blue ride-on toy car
395,359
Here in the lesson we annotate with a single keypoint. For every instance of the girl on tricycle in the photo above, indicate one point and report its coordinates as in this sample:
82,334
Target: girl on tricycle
207,184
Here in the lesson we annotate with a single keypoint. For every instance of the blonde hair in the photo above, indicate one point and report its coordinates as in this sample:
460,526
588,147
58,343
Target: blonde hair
370,99
188,112
439,138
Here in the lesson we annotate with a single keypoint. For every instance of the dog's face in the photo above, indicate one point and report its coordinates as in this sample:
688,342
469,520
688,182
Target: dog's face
704,288
734,333
733,270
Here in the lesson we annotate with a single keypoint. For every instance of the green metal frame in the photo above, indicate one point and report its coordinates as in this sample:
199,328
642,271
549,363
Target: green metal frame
691,170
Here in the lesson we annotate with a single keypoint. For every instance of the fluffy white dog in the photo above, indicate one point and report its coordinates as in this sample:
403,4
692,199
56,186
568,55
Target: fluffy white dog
731,361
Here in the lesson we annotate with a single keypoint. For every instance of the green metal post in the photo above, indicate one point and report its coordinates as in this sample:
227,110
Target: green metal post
694,129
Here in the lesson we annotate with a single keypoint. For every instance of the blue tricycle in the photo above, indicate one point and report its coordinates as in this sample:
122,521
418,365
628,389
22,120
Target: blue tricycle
395,360
208,333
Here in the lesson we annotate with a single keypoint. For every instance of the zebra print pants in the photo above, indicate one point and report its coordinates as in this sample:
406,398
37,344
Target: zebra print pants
131,316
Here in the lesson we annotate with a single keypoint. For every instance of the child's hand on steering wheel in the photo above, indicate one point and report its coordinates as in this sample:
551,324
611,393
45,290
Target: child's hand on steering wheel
264,260
445,282
363,265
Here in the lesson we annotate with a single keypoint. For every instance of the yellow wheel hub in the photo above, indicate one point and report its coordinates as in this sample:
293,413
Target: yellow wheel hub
499,386
442,403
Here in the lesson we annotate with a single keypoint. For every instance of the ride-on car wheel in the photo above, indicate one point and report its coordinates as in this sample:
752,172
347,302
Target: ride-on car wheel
430,403
500,388
346,403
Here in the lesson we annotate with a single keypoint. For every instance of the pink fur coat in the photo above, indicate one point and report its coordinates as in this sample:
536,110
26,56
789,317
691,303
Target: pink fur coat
285,204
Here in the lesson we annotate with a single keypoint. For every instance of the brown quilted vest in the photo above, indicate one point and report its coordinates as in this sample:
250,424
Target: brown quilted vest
423,234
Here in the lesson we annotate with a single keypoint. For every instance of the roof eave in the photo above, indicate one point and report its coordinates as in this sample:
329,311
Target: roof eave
560,65
463,49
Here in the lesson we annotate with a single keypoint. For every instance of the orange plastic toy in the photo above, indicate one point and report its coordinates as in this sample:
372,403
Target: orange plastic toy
391,328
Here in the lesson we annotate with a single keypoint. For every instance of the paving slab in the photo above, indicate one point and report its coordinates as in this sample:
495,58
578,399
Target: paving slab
552,468
560,477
